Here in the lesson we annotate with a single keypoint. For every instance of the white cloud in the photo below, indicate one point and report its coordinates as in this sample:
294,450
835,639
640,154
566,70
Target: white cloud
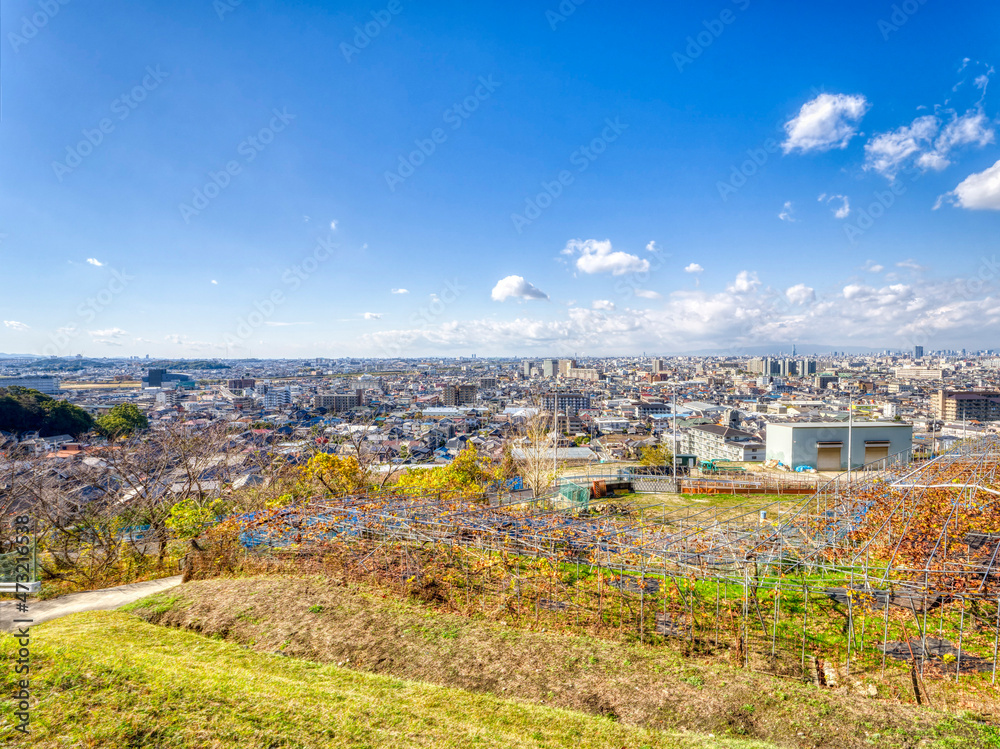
927,143
977,192
972,128
911,264
515,287
109,333
603,304
15,325
746,282
275,324
841,211
786,213
886,153
873,267
647,294
372,315
800,294
828,121
94,261
333,225
595,256
214,282
651,246
693,268
890,315
400,291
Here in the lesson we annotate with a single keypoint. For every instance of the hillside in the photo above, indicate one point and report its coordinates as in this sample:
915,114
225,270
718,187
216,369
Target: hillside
107,679
25,410
317,620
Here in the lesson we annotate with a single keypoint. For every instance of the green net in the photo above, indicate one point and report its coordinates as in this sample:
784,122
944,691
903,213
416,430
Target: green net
573,496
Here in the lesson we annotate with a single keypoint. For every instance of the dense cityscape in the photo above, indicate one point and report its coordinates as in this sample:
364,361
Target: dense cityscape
423,411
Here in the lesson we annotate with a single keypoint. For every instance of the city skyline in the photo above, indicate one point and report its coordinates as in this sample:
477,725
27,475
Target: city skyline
386,180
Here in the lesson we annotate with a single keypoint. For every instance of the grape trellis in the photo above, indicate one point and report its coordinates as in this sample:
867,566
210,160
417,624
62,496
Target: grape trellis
893,567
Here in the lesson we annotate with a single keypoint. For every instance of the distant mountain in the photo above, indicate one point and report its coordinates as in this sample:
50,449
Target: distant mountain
19,356
783,349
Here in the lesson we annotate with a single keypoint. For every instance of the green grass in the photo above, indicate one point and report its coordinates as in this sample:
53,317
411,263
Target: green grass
157,603
108,679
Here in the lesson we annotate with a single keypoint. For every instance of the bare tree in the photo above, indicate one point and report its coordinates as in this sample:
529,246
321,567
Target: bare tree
531,444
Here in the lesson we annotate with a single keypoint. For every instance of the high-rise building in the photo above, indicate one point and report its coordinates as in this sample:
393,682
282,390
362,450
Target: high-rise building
156,377
918,352
565,365
550,367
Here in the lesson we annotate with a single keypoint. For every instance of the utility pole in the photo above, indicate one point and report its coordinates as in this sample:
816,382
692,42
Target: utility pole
850,434
673,446
555,433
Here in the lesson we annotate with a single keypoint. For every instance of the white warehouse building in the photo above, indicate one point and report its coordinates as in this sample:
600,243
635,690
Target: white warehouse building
824,445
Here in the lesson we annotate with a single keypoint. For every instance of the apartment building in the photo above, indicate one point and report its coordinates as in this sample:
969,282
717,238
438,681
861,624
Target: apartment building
339,402
714,442
583,373
918,373
970,405
459,395
46,385
568,403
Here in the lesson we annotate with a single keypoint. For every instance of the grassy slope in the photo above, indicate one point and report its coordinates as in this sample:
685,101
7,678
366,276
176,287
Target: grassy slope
108,679
655,687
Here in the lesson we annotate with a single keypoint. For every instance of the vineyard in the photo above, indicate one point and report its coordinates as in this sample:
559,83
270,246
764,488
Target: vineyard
889,571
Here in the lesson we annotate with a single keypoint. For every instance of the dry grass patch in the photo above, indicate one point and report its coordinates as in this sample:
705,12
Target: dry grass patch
659,688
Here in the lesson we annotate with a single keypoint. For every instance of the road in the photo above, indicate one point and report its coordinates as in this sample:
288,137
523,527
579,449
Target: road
93,600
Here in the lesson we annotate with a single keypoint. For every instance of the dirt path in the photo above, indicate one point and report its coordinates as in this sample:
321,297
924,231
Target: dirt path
93,600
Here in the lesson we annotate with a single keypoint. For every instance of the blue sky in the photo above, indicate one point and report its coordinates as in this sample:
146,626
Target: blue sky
870,217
